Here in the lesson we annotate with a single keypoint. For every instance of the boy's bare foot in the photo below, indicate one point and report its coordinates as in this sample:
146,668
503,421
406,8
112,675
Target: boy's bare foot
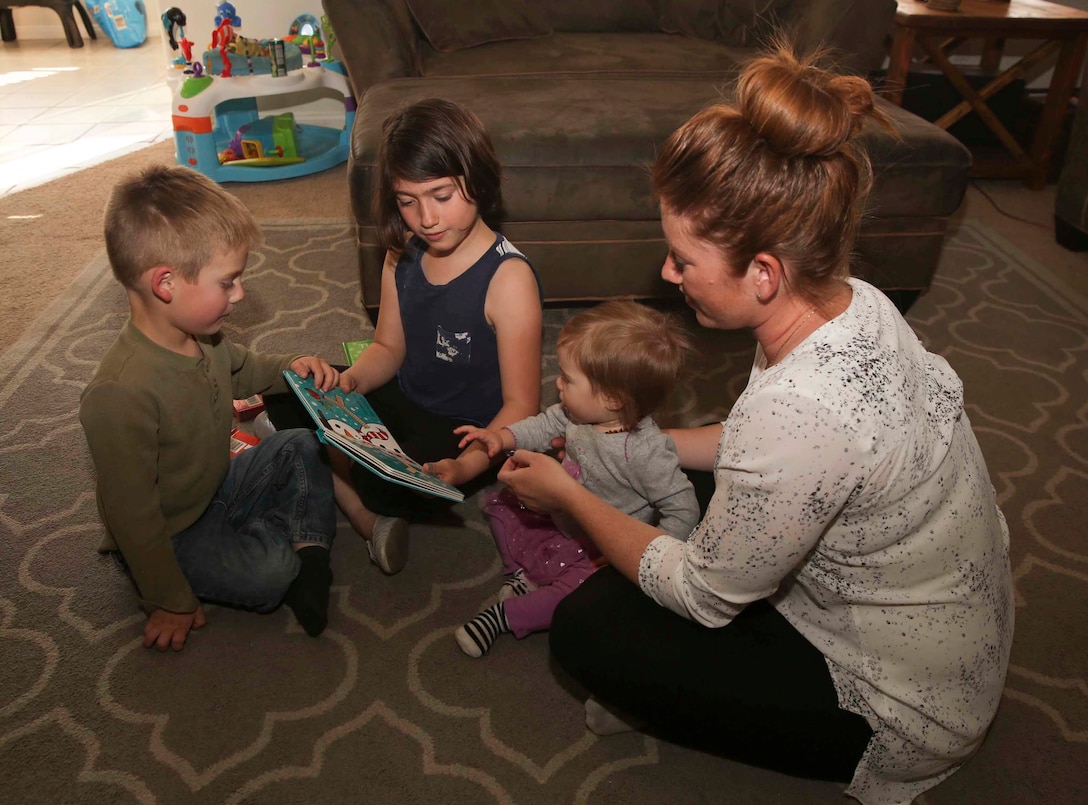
388,544
308,595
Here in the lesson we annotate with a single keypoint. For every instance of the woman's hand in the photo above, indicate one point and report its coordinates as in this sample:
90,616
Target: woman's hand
539,481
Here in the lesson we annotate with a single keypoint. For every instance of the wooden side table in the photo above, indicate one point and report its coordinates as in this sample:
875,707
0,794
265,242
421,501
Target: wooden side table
1063,30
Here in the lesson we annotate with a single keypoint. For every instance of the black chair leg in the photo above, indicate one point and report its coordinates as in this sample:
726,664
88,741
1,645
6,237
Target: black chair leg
68,20
86,19
7,25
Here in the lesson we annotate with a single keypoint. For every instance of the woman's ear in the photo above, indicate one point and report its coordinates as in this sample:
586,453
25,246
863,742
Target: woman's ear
767,274
162,283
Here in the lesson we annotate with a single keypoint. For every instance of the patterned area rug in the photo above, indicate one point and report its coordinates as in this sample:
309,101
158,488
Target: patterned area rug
384,707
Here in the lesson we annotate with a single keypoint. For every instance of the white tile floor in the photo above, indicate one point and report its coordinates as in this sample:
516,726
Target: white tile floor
63,109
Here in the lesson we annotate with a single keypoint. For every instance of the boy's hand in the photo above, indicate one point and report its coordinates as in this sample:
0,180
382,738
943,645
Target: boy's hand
325,377
165,630
489,438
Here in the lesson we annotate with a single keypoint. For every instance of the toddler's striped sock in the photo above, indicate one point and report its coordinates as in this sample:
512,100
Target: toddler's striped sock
478,635
518,584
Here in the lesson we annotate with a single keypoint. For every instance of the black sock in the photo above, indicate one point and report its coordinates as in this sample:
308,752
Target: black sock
308,595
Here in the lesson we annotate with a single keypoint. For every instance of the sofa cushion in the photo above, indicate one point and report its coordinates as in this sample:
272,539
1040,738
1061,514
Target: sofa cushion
628,55
733,22
601,15
358,25
453,25
570,149
577,149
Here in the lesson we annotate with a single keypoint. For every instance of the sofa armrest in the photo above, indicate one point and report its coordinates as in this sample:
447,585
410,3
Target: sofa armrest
376,39
856,29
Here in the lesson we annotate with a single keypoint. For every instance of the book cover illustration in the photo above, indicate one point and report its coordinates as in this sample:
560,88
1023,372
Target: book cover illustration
346,421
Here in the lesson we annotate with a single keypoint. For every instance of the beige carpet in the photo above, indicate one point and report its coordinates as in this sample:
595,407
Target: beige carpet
384,707
49,231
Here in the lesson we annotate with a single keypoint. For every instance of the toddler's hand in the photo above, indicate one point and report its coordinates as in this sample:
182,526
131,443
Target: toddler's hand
325,377
491,440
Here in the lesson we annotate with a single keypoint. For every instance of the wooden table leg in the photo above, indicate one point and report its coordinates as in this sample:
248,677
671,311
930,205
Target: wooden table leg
976,101
899,64
993,48
1066,74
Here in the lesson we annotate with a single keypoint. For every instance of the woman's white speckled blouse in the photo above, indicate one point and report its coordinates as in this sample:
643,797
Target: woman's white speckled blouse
851,491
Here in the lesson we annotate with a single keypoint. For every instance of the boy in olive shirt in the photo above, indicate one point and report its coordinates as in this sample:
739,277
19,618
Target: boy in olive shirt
190,523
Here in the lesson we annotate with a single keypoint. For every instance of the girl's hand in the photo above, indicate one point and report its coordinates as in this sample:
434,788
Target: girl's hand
488,438
539,481
325,377
449,470
348,381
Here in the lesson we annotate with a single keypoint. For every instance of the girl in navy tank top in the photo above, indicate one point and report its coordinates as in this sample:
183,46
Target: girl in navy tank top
458,337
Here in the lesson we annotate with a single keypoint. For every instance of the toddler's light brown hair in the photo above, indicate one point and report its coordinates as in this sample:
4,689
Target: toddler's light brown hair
629,351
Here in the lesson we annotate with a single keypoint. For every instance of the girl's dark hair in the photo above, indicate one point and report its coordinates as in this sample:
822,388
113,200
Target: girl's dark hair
780,172
432,139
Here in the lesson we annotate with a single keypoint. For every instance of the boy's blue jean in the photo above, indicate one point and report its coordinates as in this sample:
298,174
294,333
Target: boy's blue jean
241,550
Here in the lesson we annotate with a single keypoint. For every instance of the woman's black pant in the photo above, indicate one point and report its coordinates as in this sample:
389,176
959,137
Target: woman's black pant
754,691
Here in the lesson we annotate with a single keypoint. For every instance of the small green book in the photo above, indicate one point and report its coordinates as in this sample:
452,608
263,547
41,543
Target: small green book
352,349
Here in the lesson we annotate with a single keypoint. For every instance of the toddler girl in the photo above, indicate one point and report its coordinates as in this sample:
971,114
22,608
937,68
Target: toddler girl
618,362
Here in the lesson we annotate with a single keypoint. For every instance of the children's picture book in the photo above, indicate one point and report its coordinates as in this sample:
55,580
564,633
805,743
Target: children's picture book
352,349
347,422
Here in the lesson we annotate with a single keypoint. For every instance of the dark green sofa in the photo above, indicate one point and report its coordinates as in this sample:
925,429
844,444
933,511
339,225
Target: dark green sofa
577,95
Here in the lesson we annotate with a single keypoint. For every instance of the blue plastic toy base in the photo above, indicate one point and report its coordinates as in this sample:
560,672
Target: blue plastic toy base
321,146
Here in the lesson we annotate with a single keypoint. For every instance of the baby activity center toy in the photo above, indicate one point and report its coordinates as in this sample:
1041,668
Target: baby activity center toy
218,126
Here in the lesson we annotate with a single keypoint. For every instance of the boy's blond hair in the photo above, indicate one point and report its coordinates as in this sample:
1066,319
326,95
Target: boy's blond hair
173,216
628,351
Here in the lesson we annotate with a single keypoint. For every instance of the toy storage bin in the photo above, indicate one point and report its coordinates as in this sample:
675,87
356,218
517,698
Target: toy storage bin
209,112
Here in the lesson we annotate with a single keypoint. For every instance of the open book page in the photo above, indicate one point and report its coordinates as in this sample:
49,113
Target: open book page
347,422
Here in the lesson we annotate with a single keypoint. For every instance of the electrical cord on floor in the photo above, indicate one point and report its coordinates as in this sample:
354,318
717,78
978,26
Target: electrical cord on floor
1007,214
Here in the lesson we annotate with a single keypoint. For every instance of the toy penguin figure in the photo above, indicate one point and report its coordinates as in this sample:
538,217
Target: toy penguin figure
174,19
